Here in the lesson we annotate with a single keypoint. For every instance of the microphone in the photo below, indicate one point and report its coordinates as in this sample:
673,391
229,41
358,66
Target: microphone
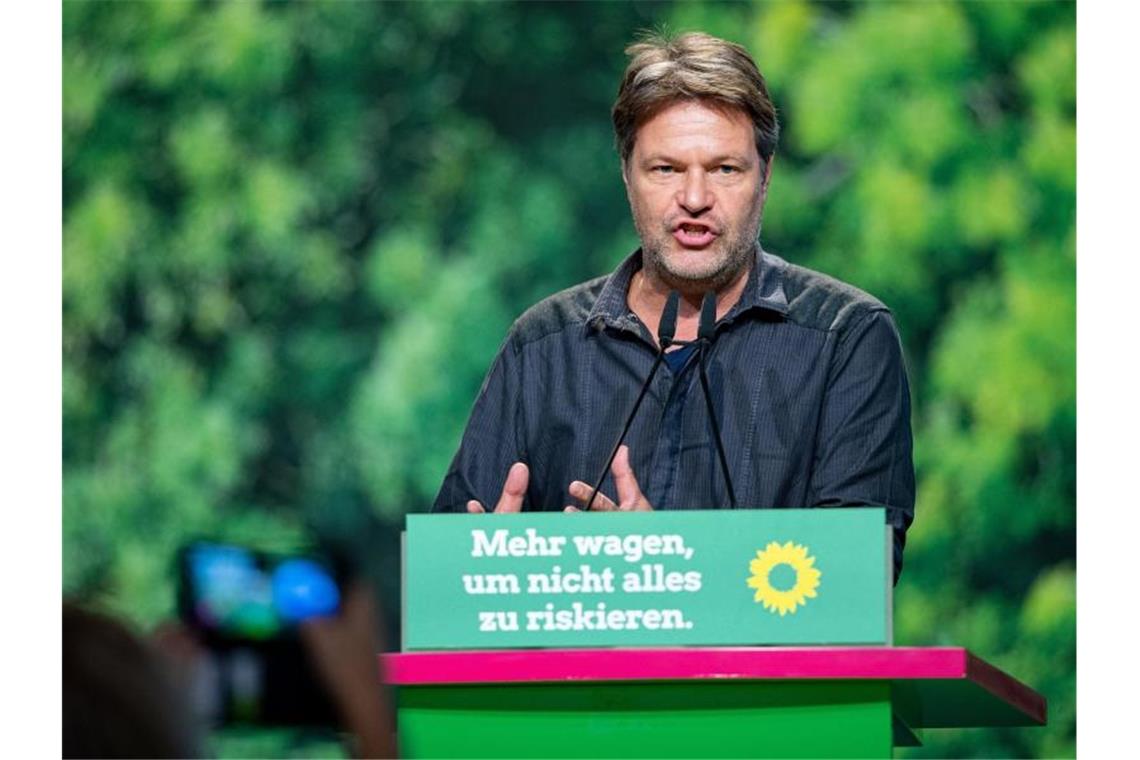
666,329
707,326
705,330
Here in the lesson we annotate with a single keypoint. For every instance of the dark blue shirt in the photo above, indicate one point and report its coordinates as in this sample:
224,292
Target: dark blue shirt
677,358
808,384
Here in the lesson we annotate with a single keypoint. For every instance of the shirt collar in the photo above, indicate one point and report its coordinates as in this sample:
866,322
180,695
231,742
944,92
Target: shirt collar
764,290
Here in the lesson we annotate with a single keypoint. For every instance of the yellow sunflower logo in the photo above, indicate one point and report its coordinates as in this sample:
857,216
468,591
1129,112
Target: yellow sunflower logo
772,572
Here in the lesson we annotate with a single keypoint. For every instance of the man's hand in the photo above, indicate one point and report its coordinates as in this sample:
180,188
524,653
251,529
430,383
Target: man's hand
630,497
514,491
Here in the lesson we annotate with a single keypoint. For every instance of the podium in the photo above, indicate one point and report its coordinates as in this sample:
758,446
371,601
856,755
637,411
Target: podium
791,702
739,633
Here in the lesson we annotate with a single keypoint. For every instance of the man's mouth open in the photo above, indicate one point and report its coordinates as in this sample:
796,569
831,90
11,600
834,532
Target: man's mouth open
693,235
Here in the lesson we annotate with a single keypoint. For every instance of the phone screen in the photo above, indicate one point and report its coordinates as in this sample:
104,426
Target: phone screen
238,593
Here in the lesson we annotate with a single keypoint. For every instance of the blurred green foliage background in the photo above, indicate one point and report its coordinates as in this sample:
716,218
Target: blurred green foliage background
294,235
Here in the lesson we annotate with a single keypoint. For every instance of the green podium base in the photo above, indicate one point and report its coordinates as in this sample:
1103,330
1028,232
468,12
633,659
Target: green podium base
789,719
790,702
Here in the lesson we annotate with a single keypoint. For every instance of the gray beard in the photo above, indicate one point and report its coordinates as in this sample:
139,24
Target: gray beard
738,259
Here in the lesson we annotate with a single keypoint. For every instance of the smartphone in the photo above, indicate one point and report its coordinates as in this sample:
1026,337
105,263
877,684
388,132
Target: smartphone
244,605
240,594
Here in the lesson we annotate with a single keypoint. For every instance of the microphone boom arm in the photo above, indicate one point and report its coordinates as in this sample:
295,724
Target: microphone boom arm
705,346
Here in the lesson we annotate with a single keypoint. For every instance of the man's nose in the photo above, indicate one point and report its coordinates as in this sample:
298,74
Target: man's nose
694,195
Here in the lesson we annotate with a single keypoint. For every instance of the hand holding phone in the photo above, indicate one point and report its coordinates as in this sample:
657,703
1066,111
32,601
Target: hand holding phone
244,606
344,651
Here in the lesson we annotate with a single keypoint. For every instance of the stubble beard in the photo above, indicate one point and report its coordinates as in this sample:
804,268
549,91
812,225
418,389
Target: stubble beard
732,253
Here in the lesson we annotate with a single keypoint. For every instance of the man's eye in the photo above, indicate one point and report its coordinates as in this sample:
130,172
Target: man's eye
726,169
662,169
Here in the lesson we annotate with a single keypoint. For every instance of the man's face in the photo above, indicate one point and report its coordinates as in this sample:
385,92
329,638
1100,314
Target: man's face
696,187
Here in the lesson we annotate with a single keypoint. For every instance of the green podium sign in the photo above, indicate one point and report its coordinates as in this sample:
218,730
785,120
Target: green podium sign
705,577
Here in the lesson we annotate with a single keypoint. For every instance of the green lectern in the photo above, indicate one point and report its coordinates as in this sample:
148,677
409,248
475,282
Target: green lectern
548,635
696,702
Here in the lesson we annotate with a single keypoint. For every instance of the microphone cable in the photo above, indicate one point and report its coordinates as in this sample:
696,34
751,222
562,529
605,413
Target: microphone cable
666,329
705,331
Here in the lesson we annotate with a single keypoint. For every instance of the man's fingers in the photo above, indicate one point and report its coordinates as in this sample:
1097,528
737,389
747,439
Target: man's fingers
630,498
514,492
514,489
629,493
582,491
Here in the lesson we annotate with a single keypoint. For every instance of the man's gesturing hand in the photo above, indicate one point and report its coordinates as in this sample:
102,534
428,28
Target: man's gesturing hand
630,497
514,491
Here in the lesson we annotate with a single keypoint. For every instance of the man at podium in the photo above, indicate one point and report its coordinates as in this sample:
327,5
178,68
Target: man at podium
795,394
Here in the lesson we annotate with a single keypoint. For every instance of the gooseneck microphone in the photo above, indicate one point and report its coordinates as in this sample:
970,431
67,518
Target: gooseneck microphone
666,329
705,330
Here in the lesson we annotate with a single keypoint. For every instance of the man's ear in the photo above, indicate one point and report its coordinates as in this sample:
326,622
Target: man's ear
624,173
768,172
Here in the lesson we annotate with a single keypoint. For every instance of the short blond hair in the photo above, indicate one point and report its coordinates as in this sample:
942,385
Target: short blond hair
694,66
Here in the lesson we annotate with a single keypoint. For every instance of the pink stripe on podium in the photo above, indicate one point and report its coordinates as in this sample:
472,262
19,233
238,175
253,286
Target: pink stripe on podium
553,665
